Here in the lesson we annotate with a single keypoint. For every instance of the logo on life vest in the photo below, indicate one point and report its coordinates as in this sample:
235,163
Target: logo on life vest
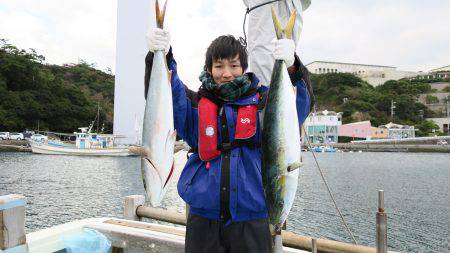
245,120
209,131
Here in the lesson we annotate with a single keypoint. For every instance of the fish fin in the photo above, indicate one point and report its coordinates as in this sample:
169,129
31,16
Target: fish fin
294,166
170,174
170,141
287,31
290,25
277,24
160,14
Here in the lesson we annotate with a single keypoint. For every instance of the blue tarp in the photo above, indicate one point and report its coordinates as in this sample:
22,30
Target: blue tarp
88,241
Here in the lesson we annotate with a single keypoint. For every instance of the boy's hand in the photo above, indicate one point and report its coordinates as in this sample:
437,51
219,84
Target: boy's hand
158,39
284,49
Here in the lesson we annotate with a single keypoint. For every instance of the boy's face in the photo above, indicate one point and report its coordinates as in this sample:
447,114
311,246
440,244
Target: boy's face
226,70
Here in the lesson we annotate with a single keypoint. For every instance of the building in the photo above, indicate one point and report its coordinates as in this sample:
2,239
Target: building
361,129
322,127
437,73
373,74
379,133
439,100
443,123
396,131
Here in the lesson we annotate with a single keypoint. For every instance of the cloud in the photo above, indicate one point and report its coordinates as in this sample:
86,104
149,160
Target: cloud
409,34
62,31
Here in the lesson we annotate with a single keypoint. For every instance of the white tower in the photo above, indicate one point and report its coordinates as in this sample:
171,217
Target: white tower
133,19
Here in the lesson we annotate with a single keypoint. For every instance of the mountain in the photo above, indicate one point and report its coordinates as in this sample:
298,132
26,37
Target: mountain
58,98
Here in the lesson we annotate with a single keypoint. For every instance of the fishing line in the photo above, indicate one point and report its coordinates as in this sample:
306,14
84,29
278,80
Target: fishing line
328,187
244,40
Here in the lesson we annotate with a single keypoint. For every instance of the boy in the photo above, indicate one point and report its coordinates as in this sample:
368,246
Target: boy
221,181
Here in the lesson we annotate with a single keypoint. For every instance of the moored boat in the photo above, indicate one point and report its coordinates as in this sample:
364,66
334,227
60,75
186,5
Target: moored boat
86,144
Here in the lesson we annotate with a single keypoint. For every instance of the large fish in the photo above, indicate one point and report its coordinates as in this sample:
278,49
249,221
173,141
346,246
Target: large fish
158,134
280,142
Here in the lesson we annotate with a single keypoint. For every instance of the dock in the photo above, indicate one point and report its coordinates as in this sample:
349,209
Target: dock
14,146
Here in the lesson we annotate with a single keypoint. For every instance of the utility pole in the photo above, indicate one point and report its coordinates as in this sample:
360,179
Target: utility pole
98,114
447,109
392,110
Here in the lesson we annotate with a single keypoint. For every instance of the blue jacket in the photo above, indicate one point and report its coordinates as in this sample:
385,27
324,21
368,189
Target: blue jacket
200,187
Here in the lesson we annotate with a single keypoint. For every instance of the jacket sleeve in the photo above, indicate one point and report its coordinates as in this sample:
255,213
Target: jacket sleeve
305,97
183,100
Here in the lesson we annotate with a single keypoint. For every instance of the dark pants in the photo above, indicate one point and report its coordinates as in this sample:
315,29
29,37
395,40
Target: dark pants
204,236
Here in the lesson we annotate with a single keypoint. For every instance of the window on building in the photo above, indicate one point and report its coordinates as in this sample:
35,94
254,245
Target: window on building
383,75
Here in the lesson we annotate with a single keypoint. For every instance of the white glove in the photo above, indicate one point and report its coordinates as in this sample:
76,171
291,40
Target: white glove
158,39
284,49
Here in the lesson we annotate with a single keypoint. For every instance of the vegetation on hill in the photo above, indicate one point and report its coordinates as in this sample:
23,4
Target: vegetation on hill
58,98
359,101
63,98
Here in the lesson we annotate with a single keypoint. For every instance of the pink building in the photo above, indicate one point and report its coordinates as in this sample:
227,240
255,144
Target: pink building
361,129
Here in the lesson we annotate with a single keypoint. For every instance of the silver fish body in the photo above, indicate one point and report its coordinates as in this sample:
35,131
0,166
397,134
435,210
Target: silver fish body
158,134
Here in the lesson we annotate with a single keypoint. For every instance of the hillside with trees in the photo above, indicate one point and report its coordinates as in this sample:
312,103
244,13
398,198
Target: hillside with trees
63,98
359,101
58,98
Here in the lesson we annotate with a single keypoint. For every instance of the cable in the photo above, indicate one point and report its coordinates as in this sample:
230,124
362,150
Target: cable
243,41
329,190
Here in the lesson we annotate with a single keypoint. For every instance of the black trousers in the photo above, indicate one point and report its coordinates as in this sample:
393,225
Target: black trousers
204,236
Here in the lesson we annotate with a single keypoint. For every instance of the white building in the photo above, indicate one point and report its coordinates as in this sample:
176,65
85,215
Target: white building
322,127
396,131
441,69
443,123
373,74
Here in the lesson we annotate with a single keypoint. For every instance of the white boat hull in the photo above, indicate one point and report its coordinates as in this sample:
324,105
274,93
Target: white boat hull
43,148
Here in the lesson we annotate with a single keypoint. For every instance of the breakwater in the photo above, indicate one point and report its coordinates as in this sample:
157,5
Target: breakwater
14,146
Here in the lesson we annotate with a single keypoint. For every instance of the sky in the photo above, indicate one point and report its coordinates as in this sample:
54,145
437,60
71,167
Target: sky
408,34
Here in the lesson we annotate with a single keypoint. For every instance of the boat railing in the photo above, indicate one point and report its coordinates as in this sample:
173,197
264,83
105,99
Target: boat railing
123,232
134,209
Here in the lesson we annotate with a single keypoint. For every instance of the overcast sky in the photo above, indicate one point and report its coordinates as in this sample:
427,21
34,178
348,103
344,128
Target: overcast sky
408,34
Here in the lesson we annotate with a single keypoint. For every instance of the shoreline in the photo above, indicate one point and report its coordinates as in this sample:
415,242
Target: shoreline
23,146
14,146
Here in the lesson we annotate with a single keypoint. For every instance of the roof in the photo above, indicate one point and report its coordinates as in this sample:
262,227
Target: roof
444,68
355,64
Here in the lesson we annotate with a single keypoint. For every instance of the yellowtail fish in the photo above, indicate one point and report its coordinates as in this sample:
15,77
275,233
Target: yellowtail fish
280,142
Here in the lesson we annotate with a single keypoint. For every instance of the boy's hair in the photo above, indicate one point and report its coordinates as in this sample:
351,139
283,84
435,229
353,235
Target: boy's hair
225,47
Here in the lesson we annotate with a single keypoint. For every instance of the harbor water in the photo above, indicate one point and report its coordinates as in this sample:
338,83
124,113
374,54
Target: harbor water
60,189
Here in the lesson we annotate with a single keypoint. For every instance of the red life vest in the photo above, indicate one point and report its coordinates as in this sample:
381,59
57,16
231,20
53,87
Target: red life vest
208,131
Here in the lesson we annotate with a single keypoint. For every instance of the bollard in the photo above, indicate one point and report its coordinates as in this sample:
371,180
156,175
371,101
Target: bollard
12,224
131,204
381,224
314,245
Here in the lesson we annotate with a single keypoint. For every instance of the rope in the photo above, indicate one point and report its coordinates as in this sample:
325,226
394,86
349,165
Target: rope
243,41
329,190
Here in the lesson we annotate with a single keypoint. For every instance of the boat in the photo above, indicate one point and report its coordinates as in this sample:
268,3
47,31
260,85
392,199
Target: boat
130,234
323,149
86,144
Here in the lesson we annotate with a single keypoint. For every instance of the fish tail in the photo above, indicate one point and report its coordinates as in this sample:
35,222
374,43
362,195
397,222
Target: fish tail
285,32
160,14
